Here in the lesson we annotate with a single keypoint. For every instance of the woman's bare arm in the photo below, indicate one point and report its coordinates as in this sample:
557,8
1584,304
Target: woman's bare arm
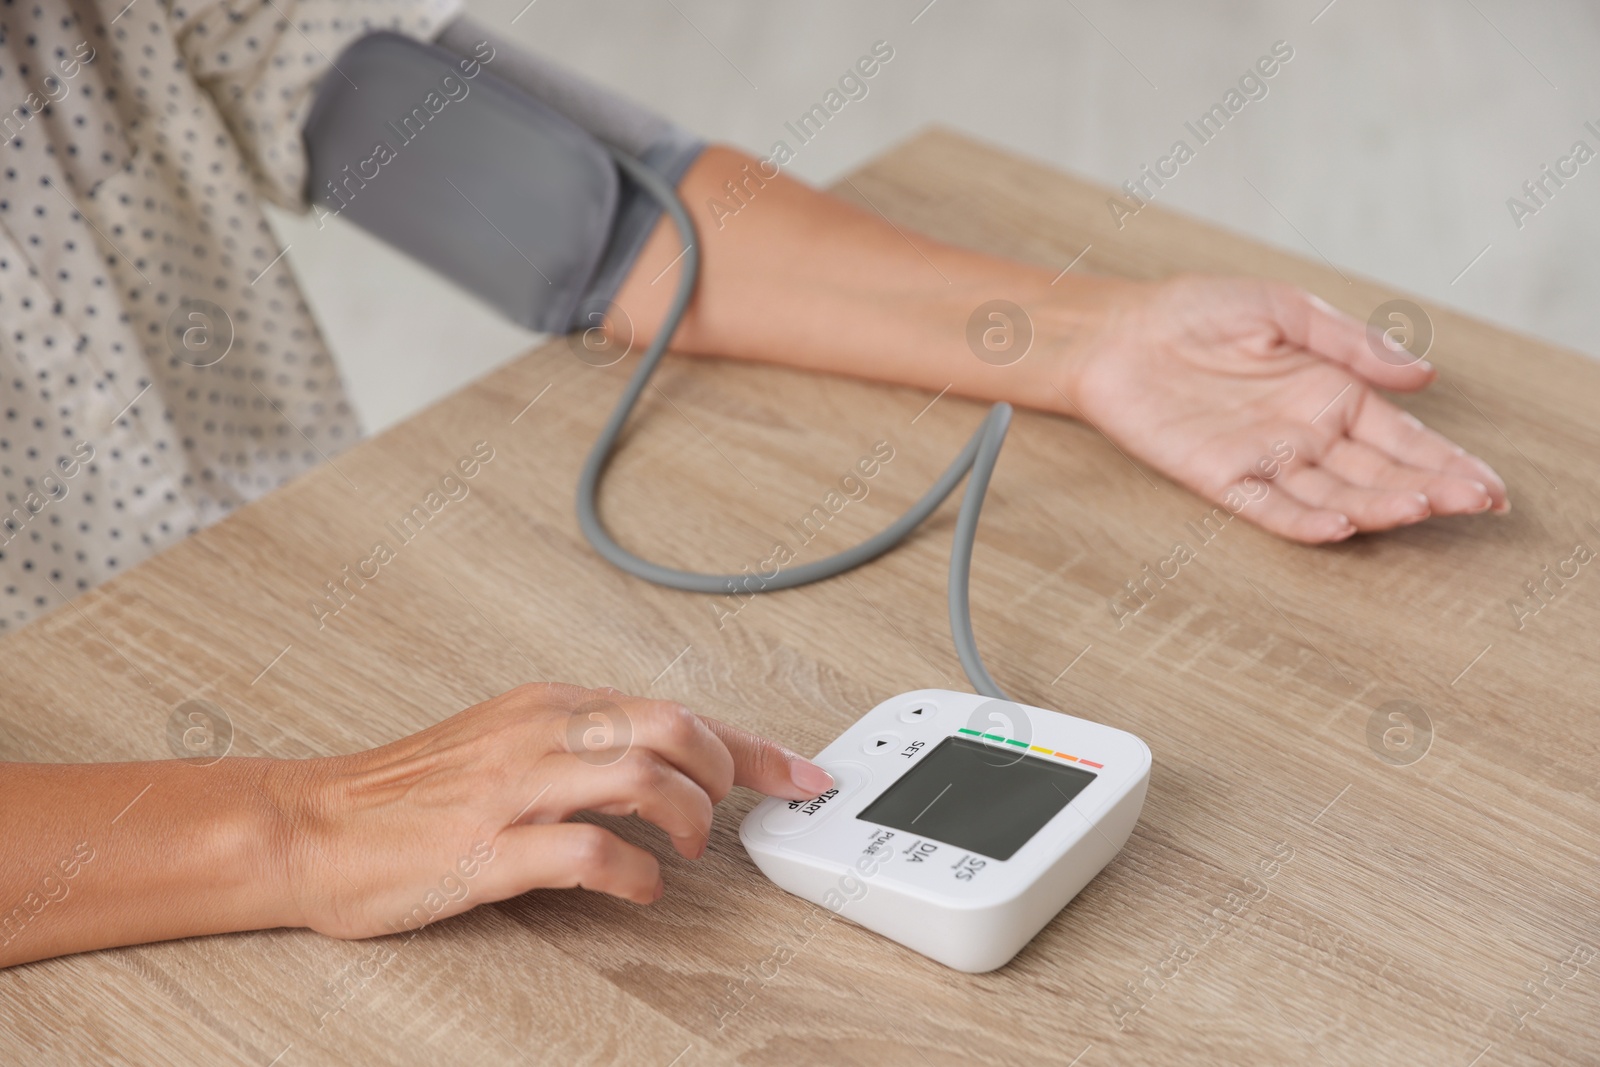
1212,380
471,810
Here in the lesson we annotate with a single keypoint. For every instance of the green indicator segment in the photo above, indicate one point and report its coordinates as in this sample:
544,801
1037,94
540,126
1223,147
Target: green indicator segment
991,737
1025,745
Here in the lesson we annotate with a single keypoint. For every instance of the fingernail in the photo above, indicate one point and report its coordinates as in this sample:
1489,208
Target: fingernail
809,776
1504,507
1489,475
661,888
1424,366
1423,504
1346,528
1487,499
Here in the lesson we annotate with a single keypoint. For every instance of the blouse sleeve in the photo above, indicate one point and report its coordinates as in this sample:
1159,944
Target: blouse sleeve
260,61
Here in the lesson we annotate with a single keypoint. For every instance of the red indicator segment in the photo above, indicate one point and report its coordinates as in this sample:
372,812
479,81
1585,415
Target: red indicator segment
1034,748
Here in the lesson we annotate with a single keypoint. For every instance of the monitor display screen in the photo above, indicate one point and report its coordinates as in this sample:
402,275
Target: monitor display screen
977,796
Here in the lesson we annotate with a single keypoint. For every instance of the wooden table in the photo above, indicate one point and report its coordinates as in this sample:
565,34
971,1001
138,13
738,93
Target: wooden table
1371,828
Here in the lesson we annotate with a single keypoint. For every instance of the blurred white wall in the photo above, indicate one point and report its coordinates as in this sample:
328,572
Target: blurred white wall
1389,143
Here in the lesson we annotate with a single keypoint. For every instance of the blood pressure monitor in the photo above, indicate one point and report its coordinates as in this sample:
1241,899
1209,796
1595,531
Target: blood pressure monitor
958,825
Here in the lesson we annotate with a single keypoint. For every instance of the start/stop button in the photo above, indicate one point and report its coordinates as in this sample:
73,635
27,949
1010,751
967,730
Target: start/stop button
798,816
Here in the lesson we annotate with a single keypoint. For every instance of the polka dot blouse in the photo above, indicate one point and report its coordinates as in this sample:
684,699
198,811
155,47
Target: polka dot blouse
158,366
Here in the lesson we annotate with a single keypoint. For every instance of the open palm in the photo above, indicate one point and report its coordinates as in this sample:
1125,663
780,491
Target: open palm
1262,398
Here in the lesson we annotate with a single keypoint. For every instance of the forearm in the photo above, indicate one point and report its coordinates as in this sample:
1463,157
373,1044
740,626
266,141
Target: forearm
803,278
98,855
471,810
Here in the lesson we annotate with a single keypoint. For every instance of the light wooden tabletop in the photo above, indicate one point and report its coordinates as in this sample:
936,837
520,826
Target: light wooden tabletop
1371,829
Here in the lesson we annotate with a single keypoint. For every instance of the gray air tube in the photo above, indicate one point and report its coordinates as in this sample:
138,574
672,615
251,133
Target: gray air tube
977,459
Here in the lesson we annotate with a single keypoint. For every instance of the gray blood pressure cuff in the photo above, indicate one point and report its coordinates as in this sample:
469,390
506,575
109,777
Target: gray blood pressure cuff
471,173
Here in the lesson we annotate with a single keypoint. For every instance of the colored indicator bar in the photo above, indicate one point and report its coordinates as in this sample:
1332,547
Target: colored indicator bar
1031,748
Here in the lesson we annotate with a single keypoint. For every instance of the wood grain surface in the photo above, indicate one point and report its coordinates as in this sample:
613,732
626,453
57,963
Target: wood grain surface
1371,829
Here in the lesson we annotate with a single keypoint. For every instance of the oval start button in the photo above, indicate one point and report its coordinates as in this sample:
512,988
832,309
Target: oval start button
798,816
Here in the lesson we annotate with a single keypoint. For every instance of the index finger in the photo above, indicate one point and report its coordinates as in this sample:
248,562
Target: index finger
604,729
769,767
713,754
1311,323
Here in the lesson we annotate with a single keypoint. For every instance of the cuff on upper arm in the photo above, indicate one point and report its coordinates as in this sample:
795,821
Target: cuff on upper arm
485,163
666,148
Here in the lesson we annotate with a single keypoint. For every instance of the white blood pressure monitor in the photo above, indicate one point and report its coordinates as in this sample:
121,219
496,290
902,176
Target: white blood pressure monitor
958,825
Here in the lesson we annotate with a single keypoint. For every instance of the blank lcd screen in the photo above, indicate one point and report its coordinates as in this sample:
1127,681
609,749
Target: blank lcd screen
983,798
